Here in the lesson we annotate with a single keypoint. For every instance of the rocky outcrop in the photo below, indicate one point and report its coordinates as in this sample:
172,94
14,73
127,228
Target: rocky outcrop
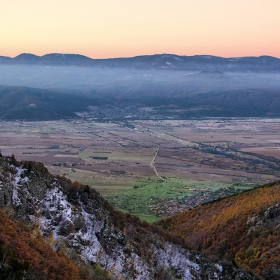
264,220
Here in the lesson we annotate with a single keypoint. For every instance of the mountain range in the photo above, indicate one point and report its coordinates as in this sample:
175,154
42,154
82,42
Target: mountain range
175,86
157,61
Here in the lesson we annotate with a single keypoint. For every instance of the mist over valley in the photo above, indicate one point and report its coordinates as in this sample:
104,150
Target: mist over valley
174,86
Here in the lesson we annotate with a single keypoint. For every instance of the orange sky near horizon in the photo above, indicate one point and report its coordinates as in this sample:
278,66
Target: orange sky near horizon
123,28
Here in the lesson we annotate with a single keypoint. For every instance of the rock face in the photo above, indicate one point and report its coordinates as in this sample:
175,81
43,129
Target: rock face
270,216
88,229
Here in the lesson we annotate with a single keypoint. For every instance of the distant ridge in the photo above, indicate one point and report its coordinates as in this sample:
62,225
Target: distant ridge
64,59
4,59
18,102
25,58
157,61
198,86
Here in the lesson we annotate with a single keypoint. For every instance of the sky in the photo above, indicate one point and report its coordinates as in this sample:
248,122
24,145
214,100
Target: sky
125,28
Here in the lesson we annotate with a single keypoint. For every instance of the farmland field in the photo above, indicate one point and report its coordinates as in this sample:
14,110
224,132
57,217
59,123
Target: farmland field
153,168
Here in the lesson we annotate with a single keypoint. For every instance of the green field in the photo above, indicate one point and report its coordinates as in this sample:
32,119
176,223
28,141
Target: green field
136,196
137,199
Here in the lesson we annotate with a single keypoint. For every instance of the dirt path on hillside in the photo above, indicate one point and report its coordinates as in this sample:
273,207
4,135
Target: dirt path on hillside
152,164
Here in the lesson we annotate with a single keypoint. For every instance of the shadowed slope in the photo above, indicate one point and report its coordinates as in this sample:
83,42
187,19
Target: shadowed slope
33,103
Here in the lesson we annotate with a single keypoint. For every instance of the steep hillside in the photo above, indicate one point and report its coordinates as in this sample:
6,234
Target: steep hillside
80,223
244,229
24,254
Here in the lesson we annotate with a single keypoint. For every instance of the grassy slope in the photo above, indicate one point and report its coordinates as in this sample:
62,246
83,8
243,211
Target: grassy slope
243,229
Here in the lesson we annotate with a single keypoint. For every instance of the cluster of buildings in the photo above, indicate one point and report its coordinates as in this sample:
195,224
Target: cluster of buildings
162,207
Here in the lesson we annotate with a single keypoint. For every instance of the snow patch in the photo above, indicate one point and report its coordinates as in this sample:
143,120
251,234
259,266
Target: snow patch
18,181
176,258
219,267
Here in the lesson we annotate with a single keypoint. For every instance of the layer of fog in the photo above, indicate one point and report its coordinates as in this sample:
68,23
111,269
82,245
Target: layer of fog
127,83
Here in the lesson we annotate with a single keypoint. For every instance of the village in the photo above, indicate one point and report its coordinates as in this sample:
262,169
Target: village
163,207
123,113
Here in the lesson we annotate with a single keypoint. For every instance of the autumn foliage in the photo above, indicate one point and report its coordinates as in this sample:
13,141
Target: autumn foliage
24,254
243,229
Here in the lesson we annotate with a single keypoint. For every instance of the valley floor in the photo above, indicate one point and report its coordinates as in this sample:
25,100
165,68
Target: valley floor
153,168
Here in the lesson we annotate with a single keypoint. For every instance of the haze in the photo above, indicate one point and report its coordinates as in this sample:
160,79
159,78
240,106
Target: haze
102,29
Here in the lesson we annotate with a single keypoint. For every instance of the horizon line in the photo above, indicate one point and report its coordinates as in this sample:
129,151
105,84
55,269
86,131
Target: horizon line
124,57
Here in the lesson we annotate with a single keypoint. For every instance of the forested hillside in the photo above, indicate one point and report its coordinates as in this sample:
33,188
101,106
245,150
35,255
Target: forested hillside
243,229
25,254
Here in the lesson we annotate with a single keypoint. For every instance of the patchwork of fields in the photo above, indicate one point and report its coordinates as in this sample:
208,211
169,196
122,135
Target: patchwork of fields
153,168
